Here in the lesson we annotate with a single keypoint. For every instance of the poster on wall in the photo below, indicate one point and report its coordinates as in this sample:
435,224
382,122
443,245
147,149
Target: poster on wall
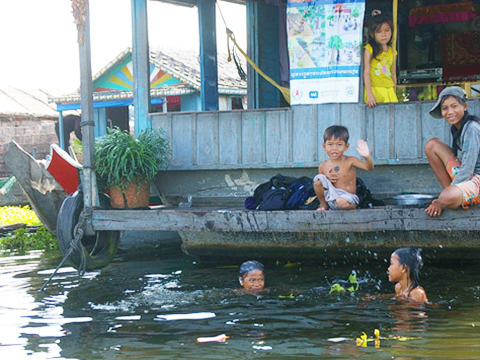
325,50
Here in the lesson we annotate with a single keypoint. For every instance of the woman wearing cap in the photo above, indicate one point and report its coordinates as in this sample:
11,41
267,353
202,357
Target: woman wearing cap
457,167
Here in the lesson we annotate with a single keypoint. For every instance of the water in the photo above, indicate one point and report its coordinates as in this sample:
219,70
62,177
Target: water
115,312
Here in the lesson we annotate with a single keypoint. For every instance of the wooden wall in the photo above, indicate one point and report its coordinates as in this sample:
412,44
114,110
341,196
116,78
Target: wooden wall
290,138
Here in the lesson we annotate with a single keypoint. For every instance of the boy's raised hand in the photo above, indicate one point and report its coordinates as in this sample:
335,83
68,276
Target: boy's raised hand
362,148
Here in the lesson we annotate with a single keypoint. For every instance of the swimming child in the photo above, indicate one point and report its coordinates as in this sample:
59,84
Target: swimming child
405,264
252,275
336,182
379,62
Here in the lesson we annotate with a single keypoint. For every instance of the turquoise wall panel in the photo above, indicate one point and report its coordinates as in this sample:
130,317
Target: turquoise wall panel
293,138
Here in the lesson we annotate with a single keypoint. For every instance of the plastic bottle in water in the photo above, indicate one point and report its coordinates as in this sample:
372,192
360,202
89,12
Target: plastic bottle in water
187,204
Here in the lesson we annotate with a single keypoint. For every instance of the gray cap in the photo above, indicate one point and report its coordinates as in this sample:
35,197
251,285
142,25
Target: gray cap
456,91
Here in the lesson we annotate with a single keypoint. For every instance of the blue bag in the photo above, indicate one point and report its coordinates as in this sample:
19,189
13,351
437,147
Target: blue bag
273,199
299,193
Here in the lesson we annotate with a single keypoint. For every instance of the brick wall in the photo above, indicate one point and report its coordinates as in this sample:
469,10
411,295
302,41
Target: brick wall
28,131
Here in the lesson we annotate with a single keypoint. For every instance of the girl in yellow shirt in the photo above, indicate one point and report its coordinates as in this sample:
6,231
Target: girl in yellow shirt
379,70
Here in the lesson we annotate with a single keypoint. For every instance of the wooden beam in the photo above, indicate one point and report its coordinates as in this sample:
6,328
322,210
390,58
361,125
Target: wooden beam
87,124
208,55
241,220
141,67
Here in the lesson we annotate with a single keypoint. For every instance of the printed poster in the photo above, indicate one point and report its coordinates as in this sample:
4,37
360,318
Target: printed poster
325,50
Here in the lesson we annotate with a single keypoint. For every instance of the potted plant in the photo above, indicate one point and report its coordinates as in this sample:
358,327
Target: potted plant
127,165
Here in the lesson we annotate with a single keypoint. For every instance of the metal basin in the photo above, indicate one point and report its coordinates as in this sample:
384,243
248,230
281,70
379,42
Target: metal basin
413,199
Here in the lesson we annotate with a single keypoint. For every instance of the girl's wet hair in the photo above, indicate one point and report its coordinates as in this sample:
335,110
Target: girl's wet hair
410,257
248,266
375,22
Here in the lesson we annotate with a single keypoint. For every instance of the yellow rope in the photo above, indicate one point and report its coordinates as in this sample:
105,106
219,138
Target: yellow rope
285,91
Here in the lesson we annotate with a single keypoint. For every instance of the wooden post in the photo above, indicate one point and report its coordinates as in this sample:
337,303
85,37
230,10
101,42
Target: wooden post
89,182
141,68
208,55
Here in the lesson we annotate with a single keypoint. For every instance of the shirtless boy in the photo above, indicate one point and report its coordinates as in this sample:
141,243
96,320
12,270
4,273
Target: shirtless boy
336,182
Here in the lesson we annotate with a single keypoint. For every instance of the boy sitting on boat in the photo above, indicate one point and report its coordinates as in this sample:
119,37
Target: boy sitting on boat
336,182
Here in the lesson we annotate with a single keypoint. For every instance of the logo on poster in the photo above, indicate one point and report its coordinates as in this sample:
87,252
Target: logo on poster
313,94
350,90
297,94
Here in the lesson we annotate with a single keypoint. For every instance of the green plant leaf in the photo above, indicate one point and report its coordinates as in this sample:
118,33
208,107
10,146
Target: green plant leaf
121,159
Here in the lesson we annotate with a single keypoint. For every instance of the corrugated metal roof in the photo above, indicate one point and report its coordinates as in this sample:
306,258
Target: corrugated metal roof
181,64
33,102
186,65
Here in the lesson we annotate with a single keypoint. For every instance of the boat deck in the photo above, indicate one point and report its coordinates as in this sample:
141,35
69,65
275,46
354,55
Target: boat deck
236,232
237,219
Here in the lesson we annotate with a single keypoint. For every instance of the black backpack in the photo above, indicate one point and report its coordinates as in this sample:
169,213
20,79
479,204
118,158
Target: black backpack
365,196
299,193
273,199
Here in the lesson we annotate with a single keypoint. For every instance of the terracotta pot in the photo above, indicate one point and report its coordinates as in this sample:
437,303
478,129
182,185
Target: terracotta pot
133,197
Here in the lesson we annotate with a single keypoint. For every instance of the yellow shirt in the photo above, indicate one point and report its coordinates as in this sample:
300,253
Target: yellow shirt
380,70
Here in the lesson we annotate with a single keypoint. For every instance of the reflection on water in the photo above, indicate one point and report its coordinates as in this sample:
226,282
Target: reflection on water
150,309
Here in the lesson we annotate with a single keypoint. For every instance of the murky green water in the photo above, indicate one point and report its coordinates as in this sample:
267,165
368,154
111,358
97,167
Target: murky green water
117,312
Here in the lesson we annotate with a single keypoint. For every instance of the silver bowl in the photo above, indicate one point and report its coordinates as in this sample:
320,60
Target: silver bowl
413,199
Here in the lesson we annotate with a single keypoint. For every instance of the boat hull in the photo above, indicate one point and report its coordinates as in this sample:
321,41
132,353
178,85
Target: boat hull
41,189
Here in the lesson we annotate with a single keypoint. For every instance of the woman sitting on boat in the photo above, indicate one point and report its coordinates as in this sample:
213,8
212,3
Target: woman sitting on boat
457,167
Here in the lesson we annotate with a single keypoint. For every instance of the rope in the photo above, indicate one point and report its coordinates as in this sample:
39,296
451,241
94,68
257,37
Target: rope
74,245
285,91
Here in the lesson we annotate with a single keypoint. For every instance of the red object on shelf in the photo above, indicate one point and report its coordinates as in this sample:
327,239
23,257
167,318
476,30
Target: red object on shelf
64,169
461,56
446,13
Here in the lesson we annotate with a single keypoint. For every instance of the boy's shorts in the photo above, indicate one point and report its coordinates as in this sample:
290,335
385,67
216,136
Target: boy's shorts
470,189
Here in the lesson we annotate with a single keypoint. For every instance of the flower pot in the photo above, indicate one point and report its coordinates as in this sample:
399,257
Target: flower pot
135,196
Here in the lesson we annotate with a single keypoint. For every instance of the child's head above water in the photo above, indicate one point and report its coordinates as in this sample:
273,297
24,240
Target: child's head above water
251,275
406,261
336,132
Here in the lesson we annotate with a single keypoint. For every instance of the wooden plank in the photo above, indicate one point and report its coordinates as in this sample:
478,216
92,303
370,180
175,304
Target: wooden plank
206,135
253,137
240,220
353,120
183,139
405,133
381,135
276,140
228,128
303,148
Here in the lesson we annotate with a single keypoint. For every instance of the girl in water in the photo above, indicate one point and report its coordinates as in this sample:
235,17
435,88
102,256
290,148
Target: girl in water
405,264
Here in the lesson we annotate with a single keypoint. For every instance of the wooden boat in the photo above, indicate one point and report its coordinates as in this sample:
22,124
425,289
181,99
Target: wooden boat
52,187
220,157
43,192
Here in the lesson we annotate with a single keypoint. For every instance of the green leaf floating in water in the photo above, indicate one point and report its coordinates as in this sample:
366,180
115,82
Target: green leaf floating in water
336,287
291,296
353,280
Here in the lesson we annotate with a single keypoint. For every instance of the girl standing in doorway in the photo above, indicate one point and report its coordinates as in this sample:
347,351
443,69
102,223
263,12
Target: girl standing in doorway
379,70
